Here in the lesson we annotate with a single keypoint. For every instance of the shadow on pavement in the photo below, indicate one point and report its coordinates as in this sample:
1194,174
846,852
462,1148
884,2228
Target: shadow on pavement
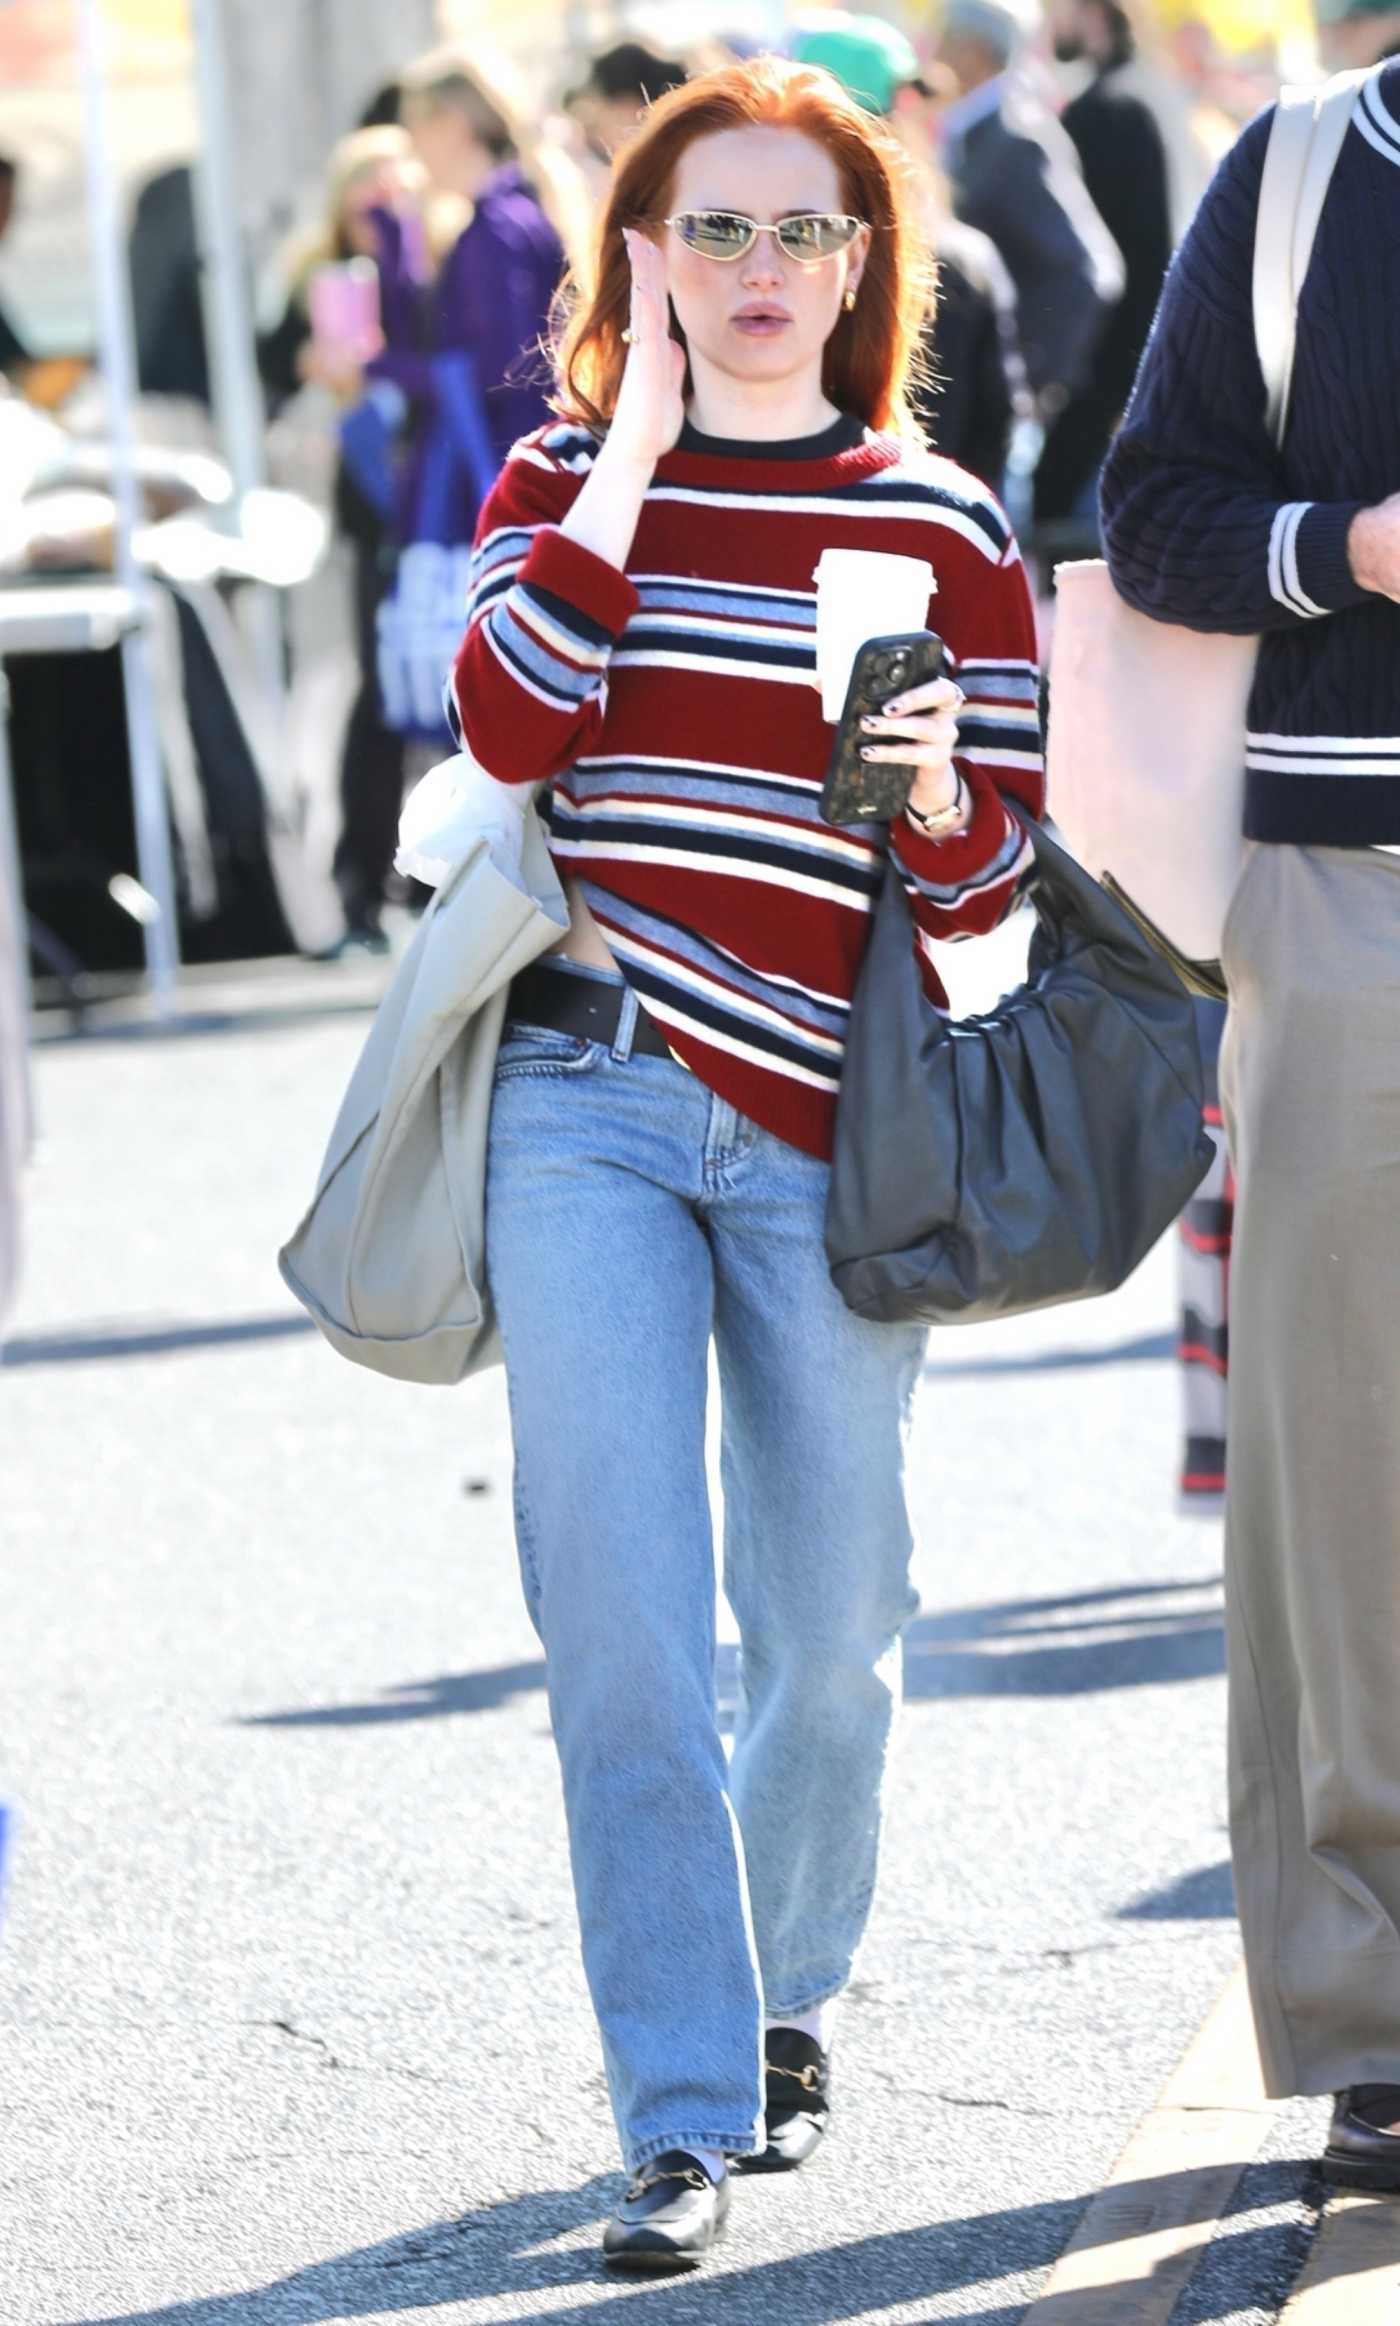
1276,2252
192,1025
1074,1646
1017,1647
1150,1349
104,1342
492,2255
99,1343
1205,1896
417,1700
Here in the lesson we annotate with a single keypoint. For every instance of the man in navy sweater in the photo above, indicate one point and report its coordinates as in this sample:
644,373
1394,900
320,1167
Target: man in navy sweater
1207,525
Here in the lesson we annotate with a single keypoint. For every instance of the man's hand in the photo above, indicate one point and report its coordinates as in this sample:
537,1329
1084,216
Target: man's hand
1373,548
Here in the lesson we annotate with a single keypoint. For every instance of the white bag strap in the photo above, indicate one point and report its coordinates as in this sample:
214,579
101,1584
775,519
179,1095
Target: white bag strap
1304,144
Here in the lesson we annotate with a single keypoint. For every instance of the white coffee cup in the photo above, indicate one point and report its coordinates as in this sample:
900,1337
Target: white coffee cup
863,593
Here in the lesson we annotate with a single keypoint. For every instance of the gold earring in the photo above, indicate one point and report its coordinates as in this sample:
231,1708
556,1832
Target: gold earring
849,301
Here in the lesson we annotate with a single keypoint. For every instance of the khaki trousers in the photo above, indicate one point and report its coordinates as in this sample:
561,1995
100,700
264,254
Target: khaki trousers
1310,1078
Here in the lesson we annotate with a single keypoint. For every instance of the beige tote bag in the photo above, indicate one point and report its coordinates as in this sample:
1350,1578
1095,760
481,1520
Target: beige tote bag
1146,747
390,1258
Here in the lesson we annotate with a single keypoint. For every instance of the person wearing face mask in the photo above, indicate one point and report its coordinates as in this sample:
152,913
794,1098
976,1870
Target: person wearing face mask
1123,157
641,641
972,379
1016,177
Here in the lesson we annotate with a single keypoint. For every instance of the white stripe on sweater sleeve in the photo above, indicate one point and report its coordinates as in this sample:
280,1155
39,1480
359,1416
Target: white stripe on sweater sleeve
1284,583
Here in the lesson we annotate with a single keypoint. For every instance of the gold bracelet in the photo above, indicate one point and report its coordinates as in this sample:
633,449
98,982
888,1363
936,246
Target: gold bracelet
943,819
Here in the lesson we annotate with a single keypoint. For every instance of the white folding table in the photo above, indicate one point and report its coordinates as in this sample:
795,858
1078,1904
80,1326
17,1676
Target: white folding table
80,617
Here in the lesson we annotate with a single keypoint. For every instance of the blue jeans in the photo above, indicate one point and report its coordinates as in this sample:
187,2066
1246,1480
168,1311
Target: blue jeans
631,1215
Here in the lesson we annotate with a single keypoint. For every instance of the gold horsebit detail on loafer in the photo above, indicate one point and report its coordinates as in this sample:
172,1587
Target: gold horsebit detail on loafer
807,2077
691,2178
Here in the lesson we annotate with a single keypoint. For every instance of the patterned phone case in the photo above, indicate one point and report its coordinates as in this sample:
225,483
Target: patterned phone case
858,791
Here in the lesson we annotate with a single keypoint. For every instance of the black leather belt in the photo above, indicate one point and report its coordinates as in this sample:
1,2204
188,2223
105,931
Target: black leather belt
590,1007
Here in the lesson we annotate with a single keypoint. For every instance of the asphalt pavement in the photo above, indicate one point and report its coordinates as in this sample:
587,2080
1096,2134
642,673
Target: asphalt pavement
292,2024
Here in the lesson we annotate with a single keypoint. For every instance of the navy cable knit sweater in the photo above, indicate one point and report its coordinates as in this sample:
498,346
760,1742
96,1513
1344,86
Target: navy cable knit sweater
1206,525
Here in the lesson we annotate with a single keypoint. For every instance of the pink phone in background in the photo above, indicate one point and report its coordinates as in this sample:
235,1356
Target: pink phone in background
345,312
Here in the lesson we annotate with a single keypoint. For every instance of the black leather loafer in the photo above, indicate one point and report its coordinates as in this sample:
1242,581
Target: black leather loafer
1363,2145
797,2100
670,2217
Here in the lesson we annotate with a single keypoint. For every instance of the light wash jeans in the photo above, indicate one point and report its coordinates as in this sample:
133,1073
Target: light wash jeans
631,1215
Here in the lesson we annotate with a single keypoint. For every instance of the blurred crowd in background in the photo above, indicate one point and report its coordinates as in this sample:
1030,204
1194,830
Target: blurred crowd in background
401,312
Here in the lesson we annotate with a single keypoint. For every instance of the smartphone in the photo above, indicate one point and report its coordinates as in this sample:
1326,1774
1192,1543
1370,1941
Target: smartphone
862,791
344,306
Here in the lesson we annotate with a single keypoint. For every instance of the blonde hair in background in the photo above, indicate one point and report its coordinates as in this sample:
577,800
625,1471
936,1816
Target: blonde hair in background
357,157
491,95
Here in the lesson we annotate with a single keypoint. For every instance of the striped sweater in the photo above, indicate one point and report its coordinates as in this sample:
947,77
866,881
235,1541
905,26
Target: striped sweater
672,709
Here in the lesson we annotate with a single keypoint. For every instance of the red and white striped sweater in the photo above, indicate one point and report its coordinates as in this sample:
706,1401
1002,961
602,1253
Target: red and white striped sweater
673,709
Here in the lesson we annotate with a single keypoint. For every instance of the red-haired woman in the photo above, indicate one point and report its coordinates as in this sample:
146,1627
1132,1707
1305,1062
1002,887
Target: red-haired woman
642,640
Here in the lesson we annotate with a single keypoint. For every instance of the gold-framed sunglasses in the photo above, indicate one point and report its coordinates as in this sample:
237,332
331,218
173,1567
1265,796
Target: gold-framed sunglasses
810,237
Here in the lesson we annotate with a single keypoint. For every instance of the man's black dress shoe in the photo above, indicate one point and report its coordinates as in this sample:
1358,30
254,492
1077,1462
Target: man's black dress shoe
796,2100
670,2217
1363,2145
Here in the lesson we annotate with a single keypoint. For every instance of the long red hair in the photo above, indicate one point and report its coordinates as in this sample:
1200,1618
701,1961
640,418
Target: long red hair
873,354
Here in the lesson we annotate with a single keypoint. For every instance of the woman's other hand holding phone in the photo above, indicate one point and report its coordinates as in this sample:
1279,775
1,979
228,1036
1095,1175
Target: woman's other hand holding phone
919,729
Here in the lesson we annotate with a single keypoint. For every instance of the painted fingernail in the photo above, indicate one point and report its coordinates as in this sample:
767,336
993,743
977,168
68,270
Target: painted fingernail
894,707
866,754
869,725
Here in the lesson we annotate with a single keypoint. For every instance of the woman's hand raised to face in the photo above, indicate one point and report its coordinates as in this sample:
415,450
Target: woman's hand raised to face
648,418
650,406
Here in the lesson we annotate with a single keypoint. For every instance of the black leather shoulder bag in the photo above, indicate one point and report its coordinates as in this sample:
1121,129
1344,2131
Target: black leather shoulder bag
1030,1156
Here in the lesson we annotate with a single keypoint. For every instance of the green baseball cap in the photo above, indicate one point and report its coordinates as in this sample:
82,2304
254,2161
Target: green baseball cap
1342,11
871,59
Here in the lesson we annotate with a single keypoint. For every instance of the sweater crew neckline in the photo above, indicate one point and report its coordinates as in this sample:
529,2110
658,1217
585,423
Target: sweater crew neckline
842,434
844,451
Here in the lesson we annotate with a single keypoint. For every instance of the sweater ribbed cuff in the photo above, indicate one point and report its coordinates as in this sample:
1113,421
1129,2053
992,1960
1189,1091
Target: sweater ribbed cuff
963,854
1324,569
569,571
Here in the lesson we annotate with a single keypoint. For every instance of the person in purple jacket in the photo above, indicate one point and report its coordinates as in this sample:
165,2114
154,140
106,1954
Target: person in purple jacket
458,379
373,175
489,309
